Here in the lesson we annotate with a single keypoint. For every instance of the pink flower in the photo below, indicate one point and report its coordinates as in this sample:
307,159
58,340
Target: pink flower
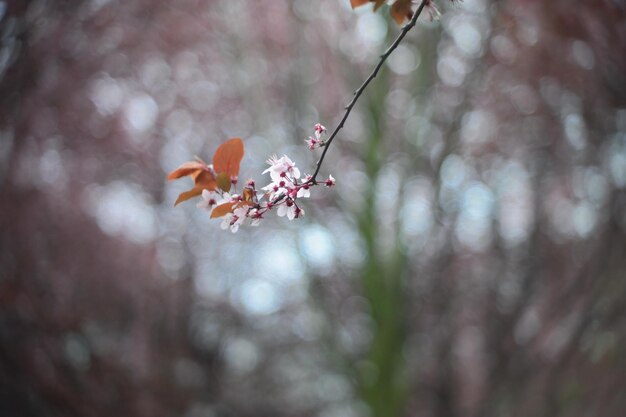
235,219
317,141
330,181
278,188
209,199
304,191
312,143
282,168
256,214
288,209
319,130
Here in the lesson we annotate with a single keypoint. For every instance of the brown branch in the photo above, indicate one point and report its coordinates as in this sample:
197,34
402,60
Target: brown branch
363,86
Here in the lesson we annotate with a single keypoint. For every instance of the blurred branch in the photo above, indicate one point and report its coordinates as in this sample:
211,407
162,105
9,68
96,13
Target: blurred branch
363,86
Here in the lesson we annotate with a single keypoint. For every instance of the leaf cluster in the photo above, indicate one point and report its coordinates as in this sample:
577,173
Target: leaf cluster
401,10
220,174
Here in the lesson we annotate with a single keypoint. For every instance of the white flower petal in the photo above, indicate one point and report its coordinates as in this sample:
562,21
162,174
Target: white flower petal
241,212
275,176
291,212
304,193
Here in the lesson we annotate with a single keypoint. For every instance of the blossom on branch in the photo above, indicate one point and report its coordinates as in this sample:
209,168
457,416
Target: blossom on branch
214,183
316,141
209,199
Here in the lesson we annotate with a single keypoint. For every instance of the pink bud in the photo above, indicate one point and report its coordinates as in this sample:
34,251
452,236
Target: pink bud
319,129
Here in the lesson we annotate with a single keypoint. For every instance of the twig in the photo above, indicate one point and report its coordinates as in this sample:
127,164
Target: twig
360,90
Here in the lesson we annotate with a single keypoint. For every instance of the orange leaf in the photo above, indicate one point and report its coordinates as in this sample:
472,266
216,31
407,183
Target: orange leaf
222,210
194,192
188,168
401,10
357,3
204,179
248,194
228,157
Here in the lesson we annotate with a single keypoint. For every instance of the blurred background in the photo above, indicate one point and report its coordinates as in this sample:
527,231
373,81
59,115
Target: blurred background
470,262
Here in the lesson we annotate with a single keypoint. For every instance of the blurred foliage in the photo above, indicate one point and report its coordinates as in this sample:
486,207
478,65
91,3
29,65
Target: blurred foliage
470,263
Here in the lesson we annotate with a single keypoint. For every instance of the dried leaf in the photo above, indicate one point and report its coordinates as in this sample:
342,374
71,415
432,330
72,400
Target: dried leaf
225,163
194,192
357,3
248,194
188,168
205,179
228,156
401,10
222,210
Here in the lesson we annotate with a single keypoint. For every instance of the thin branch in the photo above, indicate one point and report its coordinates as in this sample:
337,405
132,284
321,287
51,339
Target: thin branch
363,86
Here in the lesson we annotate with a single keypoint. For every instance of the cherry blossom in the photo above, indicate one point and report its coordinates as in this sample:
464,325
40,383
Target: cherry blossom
283,193
235,219
319,130
281,168
304,191
209,199
288,209
317,141
313,143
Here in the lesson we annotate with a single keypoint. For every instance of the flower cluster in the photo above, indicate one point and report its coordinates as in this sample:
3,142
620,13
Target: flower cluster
214,183
402,10
317,141
235,207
